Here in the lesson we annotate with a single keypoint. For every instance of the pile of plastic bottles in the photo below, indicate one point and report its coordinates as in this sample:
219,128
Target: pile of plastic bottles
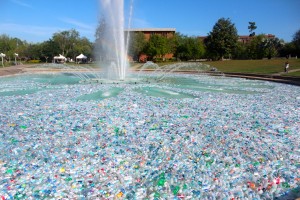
135,146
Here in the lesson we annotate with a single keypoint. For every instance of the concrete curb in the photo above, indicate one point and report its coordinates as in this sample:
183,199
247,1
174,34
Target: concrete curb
273,78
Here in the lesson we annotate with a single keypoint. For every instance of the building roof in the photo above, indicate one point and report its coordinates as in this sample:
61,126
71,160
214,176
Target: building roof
151,29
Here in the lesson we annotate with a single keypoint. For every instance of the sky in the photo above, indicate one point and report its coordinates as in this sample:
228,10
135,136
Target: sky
37,20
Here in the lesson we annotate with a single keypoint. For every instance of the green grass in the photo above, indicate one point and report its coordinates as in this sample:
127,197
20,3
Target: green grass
263,67
255,66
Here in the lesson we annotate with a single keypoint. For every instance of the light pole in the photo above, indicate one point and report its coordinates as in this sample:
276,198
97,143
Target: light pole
74,52
16,55
2,55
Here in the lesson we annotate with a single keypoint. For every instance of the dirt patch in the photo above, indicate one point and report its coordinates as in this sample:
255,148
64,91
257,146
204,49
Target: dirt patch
17,69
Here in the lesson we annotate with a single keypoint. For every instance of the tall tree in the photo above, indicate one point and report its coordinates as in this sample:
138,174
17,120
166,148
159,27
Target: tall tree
261,46
137,45
33,51
271,47
84,46
222,40
189,48
296,42
157,46
240,51
255,48
251,28
198,48
66,40
5,43
99,47
10,46
49,49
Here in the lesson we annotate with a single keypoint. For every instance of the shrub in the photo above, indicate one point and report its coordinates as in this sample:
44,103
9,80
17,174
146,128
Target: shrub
33,61
158,60
173,59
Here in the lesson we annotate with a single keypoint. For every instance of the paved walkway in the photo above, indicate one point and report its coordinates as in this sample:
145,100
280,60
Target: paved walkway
276,77
281,73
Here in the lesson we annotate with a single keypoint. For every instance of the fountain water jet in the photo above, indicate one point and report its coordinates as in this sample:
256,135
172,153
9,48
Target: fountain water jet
113,41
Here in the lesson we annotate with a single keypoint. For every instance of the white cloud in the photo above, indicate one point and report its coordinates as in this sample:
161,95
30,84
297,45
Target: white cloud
78,24
28,32
38,33
34,30
20,3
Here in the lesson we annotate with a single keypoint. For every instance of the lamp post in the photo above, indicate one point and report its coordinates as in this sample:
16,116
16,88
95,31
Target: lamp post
2,55
16,55
73,52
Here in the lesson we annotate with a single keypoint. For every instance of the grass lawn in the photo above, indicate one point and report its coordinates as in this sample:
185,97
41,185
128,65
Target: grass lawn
264,67
255,66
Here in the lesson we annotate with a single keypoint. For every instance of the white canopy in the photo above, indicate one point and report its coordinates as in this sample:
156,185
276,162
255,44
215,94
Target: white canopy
81,59
81,56
60,58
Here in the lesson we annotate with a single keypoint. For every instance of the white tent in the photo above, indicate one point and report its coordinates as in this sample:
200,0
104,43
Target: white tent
81,58
59,59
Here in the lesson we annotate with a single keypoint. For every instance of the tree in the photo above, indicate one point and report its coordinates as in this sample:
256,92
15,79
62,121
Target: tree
182,50
66,40
83,45
137,45
240,52
189,48
198,48
173,42
100,31
251,28
271,47
33,51
157,46
261,46
5,43
71,44
49,49
296,42
288,49
150,49
100,52
256,48
10,46
296,38
222,40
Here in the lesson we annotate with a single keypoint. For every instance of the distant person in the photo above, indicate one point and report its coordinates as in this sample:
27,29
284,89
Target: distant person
286,67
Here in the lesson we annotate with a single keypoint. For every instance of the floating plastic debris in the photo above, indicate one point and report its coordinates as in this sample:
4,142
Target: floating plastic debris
201,144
